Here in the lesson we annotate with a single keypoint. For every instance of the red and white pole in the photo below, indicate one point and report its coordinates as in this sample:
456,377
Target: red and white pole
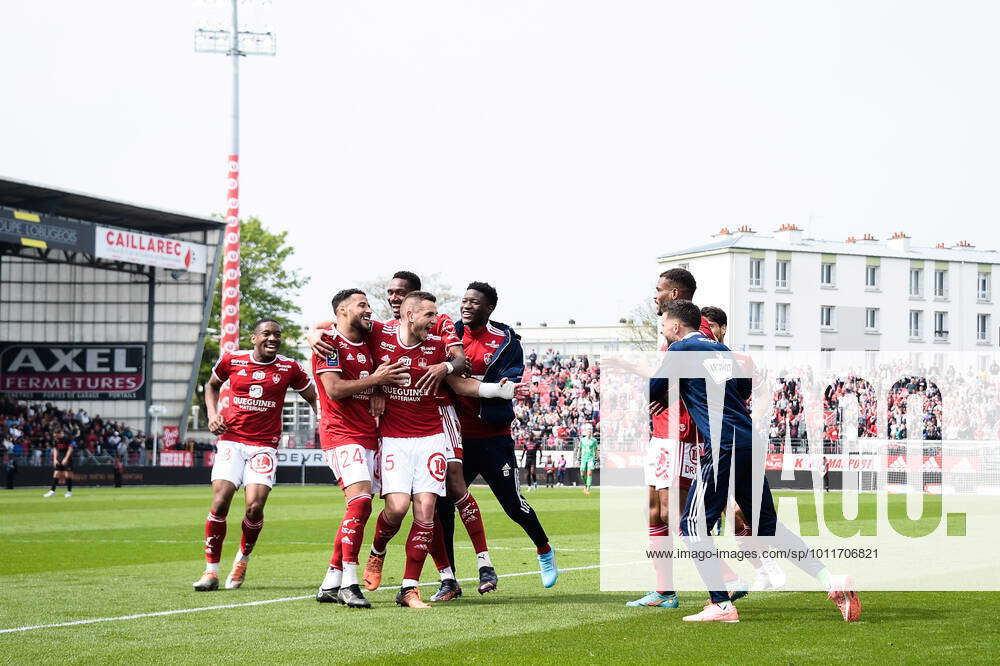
229,334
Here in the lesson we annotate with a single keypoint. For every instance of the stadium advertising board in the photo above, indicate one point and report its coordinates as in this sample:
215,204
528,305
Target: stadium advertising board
45,232
150,250
77,371
176,459
299,457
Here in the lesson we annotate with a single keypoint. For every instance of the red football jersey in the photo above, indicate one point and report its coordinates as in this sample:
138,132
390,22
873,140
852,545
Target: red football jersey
444,328
661,422
345,421
408,412
258,394
479,349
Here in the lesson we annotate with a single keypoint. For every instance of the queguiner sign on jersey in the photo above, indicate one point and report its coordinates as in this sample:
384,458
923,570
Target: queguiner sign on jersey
45,371
159,251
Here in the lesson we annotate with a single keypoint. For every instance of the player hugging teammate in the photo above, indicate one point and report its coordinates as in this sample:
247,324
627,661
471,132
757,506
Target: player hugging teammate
400,407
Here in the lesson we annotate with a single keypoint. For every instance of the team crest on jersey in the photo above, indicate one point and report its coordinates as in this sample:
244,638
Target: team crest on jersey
362,358
275,378
406,360
422,362
488,357
256,391
258,375
333,360
362,374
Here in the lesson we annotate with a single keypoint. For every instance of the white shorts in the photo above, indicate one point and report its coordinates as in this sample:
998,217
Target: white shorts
243,464
353,463
414,465
665,462
453,430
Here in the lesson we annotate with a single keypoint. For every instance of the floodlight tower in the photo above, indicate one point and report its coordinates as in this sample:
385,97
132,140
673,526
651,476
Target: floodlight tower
235,43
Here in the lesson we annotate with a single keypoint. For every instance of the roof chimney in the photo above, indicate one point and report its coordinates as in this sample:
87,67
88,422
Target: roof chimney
724,231
851,239
867,238
788,233
964,244
939,246
899,241
744,229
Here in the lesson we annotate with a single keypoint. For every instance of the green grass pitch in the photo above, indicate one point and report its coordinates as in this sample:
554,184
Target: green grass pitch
106,553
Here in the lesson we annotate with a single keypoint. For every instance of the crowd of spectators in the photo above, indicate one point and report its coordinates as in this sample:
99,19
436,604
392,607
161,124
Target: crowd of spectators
565,399
29,432
973,414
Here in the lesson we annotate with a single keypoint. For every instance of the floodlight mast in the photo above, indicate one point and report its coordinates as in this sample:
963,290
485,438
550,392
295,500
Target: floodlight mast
236,44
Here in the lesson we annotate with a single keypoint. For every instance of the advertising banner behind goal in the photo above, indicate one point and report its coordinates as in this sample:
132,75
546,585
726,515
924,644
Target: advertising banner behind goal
150,250
77,371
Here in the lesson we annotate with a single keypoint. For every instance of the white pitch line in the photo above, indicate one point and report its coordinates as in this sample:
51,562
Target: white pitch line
263,602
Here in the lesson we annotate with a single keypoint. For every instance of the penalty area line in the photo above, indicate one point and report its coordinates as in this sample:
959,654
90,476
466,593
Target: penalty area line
262,602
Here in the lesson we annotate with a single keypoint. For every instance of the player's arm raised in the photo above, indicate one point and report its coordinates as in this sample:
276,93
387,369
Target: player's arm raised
337,387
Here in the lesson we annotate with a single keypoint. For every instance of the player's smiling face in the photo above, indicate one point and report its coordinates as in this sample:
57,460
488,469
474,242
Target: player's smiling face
395,293
475,309
420,317
359,313
266,340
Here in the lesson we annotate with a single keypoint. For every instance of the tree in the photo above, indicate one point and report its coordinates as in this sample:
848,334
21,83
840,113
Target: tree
267,287
641,327
447,301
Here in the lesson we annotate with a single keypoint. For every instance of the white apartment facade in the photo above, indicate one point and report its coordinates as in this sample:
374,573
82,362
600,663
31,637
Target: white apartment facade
786,292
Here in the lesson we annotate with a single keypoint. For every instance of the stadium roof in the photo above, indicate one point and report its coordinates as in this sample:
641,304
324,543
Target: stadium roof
871,248
79,206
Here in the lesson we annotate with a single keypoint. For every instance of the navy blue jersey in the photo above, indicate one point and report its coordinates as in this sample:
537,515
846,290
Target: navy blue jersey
731,403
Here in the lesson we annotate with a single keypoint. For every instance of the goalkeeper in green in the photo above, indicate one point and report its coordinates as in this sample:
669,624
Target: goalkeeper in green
588,456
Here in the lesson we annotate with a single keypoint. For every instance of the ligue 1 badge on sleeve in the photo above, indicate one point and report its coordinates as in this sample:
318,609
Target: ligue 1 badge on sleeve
333,360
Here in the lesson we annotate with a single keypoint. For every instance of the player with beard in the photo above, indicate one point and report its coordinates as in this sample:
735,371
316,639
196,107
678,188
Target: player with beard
414,443
347,379
494,353
249,431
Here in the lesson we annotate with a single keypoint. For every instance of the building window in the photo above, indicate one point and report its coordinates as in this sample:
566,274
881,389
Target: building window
916,324
756,316
827,274
871,319
782,323
916,282
941,284
983,286
781,274
826,316
756,273
940,325
982,328
871,277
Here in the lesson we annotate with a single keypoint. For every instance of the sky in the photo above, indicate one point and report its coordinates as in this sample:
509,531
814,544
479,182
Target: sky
553,148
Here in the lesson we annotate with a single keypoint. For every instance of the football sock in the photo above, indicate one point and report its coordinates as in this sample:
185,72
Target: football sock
439,551
659,540
215,534
542,550
251,530
332,578
54,484
472,518
384,531
350,574
824,577
352,528
447,574
420,535
69,485
483,559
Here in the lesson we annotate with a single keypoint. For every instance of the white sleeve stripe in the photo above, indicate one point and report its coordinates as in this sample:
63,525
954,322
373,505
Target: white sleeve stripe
453,344
322,370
